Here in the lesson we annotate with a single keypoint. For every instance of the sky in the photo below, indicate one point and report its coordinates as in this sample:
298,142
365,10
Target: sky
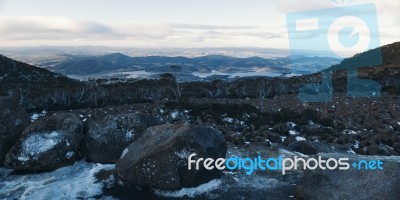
167,23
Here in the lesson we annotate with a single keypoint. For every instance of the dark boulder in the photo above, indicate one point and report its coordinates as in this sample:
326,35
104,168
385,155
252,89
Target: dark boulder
273,137
13,121
236,138
283,128
159,158
385,129
107,138
47,144
312,129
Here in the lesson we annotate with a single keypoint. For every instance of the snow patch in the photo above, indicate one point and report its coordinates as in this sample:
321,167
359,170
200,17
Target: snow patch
129,135
38,143
292,124
124,152
184,154
228,119
349,132
70,154
77,181
191,192
34,117
291,132
175,114
350,151
299,138
357,144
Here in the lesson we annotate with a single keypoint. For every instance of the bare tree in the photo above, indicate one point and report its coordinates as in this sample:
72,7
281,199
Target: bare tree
20,93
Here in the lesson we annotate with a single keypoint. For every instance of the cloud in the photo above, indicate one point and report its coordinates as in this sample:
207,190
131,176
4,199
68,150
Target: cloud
212,27
49,27
287,6
53,29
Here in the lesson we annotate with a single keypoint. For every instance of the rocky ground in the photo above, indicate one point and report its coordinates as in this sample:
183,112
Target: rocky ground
77,141
367,126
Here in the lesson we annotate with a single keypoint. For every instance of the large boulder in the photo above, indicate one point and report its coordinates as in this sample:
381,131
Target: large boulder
47,144
352,183
13,121
159,159
108,137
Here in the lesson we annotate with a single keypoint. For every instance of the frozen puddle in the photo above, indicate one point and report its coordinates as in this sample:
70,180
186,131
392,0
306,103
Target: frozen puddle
72,182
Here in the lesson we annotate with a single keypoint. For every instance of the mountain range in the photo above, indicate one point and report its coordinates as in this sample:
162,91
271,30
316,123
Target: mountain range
75,64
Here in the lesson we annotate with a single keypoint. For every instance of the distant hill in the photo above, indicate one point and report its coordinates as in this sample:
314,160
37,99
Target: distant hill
390,55
14,72
113,62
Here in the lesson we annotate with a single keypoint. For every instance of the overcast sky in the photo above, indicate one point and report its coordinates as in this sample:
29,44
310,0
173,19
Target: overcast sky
166,23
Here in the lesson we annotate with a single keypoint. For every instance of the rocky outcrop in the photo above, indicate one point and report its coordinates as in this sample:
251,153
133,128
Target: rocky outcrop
13,121
159,158
47,144
107,138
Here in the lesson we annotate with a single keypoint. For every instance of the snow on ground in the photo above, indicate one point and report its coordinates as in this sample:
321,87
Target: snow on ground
292,124
239,74
291,132
71,182
39,143
228,119
183,154
129,135
349,132
191,192
124,152
175,114
36,116
299,138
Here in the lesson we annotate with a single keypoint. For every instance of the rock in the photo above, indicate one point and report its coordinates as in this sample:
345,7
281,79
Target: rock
383,150
352,183
385,129
13,121
312,129
47,144
236,138
282,128
107,138
289,139
273,137
304,147
349,139
159,159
